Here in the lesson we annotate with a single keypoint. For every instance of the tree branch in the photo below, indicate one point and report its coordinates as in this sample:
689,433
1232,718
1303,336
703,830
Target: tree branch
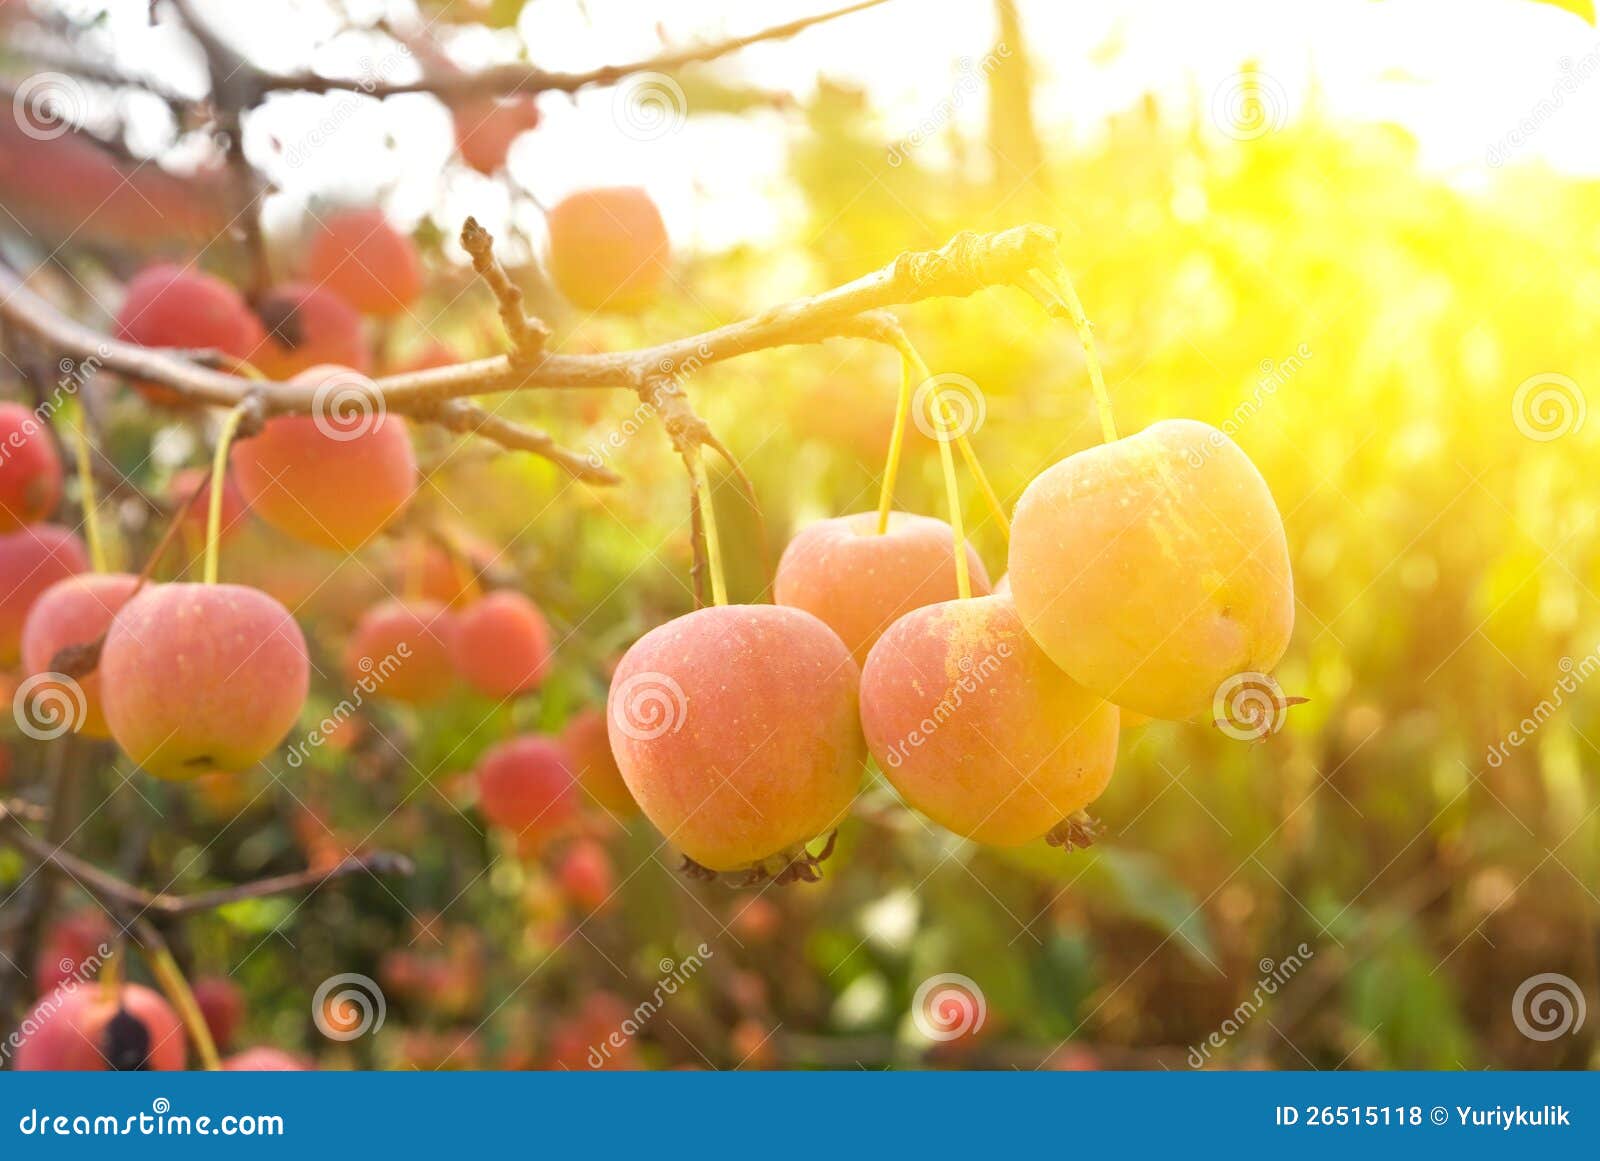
111,890
521,78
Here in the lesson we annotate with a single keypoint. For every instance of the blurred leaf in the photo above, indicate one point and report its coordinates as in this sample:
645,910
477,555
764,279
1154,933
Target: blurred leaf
1140,885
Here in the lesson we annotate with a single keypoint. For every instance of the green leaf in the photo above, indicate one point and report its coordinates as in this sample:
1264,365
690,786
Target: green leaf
1141,885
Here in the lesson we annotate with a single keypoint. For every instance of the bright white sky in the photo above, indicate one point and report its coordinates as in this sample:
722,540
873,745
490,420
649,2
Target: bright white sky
1459,74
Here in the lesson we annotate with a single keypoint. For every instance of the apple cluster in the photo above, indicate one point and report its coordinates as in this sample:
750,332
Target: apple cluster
1144,574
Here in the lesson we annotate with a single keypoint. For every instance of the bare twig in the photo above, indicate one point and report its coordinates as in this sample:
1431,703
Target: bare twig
527,335
121,895
522,78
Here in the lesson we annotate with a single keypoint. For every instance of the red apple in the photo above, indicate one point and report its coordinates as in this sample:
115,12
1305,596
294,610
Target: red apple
263,1059
221,1002
735,728
360,257
978,729
306,326
502,646
858,583
171,306
79,1028
401,650
197,678
30,469
608,248
525,786
486,128
589,750
31,560
334,479
73,948
76,611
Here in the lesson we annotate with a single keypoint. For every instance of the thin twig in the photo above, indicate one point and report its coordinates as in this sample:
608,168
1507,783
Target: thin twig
521,78
108,887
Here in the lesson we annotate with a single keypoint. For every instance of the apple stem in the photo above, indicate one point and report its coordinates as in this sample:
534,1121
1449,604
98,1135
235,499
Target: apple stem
897,442
172,981
1057,285
702,488
915,366
91,514
219,471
